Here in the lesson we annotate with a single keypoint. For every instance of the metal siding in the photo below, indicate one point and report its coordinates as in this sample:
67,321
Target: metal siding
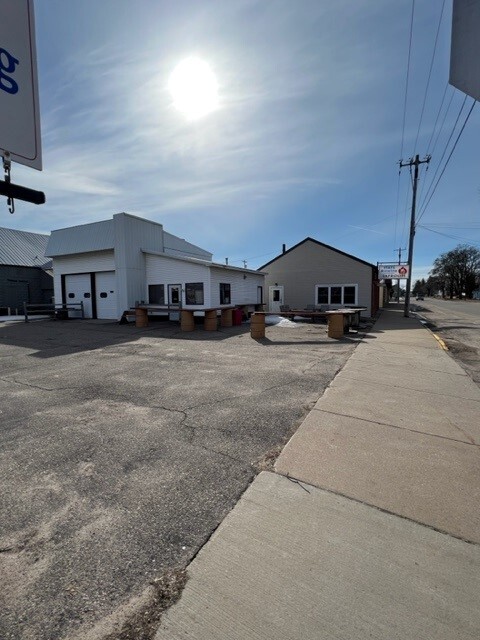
311,264
22,248
85,238
131,236
179,247
244,289
163,270
81,263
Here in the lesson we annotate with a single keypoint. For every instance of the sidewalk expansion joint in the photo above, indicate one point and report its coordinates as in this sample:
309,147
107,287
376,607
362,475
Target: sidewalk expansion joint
389,385
471,442
382,510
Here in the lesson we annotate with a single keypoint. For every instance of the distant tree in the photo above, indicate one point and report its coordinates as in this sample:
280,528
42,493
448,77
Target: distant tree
419,287
457,272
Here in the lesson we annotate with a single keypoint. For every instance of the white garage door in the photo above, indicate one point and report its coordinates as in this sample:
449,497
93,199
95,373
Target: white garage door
106,296
78,289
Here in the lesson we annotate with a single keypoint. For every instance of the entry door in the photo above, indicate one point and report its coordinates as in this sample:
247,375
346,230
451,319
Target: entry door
174,300
78,288
275,298
106,296
175,294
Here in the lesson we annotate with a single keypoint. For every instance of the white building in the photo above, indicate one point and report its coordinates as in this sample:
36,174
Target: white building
112,265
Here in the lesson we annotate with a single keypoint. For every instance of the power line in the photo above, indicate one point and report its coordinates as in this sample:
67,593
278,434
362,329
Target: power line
405,101
446,235
429,74
443,154
448,160
407,78
438,113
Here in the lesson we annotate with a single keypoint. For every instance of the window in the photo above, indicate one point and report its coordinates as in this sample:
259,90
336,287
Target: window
276,295
225,294
349,295
156,294
322,295
336,294
194,292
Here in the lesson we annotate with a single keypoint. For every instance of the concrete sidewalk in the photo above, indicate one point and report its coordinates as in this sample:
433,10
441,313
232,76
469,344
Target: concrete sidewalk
370,527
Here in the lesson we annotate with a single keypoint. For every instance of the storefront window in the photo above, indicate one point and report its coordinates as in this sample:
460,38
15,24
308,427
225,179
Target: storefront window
194,293
156,294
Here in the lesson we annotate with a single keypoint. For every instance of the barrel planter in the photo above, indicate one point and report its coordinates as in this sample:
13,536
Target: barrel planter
187,322
257,326
211,321
336,325
226,319
141,318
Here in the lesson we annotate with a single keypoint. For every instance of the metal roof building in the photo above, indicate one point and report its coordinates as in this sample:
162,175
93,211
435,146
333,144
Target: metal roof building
23,270
22,248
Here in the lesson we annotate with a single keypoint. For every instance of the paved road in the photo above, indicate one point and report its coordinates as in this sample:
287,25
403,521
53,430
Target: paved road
457,322
122,449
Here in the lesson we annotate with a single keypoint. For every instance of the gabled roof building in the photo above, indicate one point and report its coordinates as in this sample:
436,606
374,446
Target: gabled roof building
312,273
24,270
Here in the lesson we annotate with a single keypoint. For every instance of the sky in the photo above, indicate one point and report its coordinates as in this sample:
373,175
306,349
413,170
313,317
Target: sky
305,141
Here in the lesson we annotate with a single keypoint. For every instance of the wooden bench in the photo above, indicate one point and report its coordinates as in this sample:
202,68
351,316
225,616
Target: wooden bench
338,321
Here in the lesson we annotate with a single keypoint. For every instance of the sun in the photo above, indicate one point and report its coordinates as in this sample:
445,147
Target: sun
194,88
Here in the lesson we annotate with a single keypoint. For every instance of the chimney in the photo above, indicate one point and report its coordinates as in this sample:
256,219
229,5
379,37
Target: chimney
284,248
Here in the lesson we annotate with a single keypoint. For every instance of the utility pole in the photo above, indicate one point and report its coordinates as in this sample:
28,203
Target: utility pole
412,163
399,262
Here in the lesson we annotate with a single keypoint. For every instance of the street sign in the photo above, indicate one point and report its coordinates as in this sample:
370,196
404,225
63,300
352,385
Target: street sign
19,106
465,49
392,270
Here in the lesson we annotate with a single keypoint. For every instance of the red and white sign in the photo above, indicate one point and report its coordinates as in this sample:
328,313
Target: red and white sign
19,106
389,270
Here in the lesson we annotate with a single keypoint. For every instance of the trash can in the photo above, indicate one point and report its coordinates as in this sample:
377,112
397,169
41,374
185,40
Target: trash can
237,317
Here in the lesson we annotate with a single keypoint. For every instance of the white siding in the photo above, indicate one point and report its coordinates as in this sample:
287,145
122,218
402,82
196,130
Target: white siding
80,263
163,270
133,234
243,285
96,236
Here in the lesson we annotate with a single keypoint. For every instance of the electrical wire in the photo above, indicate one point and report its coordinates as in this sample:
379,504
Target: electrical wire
407,78
429,76
443,154
446,235
405,101
447,161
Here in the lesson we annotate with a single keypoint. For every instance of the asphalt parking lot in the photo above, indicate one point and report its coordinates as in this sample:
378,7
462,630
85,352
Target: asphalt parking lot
122,449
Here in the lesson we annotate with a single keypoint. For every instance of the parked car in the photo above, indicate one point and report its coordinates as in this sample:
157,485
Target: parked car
420,296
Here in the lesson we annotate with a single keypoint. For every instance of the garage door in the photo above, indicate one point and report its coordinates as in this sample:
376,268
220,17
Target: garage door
78,289
106,296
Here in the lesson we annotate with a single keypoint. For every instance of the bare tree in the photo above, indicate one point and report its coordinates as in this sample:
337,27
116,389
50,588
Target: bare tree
457,272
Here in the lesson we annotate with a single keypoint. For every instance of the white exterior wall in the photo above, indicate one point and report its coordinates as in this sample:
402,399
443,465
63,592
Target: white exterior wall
163,270
243,289
80,263
131,236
